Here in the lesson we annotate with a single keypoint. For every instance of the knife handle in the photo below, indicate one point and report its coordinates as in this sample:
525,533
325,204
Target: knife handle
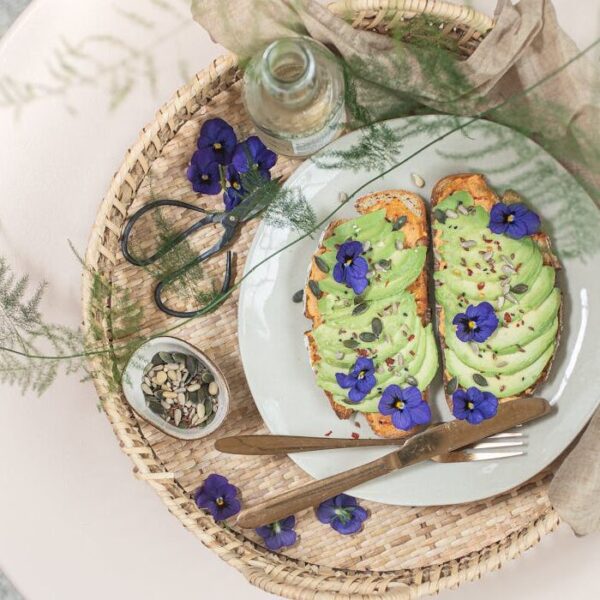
312,494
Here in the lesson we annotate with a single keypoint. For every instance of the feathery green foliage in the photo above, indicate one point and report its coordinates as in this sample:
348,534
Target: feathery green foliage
24,332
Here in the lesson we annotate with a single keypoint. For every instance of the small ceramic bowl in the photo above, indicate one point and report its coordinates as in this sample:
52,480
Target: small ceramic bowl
132,387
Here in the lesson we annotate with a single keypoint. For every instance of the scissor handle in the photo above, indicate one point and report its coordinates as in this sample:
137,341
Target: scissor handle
184,314
143,262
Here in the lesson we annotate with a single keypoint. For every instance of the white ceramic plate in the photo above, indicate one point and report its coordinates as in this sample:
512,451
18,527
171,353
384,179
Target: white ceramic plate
271,326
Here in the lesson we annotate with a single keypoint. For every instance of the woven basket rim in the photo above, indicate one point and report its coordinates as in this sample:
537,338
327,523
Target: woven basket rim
273,573
394,10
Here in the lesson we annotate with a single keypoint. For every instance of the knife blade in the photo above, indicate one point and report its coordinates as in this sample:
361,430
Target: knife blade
437,440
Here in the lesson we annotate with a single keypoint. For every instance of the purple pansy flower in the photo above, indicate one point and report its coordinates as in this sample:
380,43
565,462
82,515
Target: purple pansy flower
477,323
253,154
218,497
204,173
405,405
278,534
234,193
474,405
514,220
218,139
351,268
360,380
343,513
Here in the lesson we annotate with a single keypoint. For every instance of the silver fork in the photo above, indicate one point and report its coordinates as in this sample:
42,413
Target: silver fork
502,445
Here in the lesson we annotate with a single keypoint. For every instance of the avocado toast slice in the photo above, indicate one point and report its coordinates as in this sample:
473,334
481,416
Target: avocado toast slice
514,277
387,321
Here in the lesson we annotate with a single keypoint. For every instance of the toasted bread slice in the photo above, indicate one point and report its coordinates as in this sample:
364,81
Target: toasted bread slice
397,203
477,186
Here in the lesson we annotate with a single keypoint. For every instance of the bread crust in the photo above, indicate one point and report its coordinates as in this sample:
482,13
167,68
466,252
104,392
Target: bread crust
396,203
476,184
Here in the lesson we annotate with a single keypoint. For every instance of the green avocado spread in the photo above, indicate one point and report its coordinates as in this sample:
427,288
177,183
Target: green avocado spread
479,266
381,323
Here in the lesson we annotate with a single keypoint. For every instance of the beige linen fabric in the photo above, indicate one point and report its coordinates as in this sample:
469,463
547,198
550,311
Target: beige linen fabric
502,78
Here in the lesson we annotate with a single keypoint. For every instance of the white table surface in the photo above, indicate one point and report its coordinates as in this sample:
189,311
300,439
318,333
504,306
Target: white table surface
74,523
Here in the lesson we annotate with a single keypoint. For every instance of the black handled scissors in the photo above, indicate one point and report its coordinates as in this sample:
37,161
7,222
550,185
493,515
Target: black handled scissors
230,221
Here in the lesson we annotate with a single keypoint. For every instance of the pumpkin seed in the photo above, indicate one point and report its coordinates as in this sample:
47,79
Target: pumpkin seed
399,223
462,209
165,357
298,296
339,356
367,336
385,264
210,419
440,215
377,326
358,299
207,377
412,381
321,264
520,288
351,343
360,308
480,379
315,289
452,385
451,214
208,407
191,366
156,360
156,407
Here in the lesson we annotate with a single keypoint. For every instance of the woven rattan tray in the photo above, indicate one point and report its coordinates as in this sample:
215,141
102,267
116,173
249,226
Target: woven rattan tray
402,552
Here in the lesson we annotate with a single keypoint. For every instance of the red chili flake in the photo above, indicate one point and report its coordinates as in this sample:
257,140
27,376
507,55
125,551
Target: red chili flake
507,317
355,435
328,433
470,272
481,285
411,337
389,361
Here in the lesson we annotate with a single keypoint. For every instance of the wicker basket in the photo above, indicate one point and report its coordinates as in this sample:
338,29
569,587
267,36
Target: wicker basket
404,552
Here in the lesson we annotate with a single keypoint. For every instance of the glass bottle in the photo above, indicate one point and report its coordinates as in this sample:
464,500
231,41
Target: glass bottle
294,93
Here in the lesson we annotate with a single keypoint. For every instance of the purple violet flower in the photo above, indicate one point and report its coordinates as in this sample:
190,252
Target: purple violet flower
204,174
278,534
406,407
477,323
360,380
343,513
234,192
514,220
218,497
253,154
474,405
351,268
218,139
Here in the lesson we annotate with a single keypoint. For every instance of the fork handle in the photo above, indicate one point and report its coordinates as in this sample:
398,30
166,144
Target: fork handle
284,444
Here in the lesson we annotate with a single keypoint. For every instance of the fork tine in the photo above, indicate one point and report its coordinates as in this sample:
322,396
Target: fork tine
507,434
485,445
464,456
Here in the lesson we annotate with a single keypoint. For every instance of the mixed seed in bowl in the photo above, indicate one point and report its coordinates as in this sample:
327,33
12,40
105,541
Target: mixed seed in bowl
181,389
